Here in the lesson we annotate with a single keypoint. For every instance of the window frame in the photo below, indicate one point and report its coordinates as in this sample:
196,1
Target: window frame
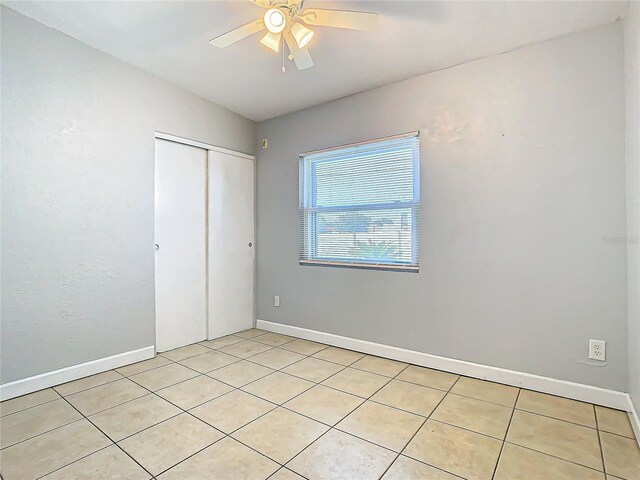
308,210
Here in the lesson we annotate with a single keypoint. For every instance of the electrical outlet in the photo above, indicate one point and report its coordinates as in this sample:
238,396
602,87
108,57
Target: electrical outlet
597,350
276,301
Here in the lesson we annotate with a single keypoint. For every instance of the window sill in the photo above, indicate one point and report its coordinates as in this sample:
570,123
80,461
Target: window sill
362,266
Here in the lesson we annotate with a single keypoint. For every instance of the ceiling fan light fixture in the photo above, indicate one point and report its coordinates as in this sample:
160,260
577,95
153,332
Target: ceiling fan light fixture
272,40
275,20
302,34
286,22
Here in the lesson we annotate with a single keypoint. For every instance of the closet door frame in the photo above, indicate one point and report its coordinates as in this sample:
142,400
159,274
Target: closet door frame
215,148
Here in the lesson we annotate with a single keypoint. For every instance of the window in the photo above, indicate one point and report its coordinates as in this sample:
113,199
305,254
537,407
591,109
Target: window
359,205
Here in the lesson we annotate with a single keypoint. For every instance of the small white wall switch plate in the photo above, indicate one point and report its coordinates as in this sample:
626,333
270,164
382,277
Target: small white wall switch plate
265,143
597,350
276,301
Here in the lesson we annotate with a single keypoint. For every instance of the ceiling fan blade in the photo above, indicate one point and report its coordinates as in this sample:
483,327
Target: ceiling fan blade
261,3
301,56
272,40
339,18
239,33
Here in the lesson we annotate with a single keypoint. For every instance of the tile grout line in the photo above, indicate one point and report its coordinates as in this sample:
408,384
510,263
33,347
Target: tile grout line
225,435
112,442
235,360
504,440
395,378
555,456
208,374
190,378
604,465
165,420
76,460
205,374
241,339
147,370
180,408
88,388
482,399
307,379
288,409
62,397
198,404
334,427
288,470
510,443
204,342
420,428
280,370
276,370
281,346
559,419
228,435
210,350
552,455
331,427
32,406
465,429
169,361
192,455
149,392
297,361
4,447
282,405
112,406
618,435
324,347
344,367
239,359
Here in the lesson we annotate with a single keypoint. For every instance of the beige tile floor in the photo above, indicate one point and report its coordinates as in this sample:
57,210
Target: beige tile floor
257,405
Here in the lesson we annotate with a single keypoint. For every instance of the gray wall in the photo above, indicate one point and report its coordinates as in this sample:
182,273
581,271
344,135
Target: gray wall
632,86
77,195
523,258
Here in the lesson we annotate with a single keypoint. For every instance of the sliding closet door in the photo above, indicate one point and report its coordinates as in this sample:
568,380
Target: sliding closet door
231,252
180,237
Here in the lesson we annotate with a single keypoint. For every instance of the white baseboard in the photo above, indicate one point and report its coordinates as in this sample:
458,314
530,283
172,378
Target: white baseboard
635,420
562,388
57,377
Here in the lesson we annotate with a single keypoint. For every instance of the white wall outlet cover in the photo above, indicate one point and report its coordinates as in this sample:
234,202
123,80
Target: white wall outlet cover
276,301
597,350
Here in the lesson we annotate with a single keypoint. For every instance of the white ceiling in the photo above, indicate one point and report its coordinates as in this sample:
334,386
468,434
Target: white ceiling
171,40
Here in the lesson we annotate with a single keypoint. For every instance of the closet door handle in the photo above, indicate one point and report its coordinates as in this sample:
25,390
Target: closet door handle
157,246
250,244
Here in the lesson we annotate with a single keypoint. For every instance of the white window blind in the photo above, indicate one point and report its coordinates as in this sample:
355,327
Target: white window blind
360,204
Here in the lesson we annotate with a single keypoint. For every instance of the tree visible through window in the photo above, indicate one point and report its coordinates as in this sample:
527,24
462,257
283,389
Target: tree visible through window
359,205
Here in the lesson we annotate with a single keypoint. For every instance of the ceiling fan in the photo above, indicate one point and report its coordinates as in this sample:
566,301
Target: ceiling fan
285,19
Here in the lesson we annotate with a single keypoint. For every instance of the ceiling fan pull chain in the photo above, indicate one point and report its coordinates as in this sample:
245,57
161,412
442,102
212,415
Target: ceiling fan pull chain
284,69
